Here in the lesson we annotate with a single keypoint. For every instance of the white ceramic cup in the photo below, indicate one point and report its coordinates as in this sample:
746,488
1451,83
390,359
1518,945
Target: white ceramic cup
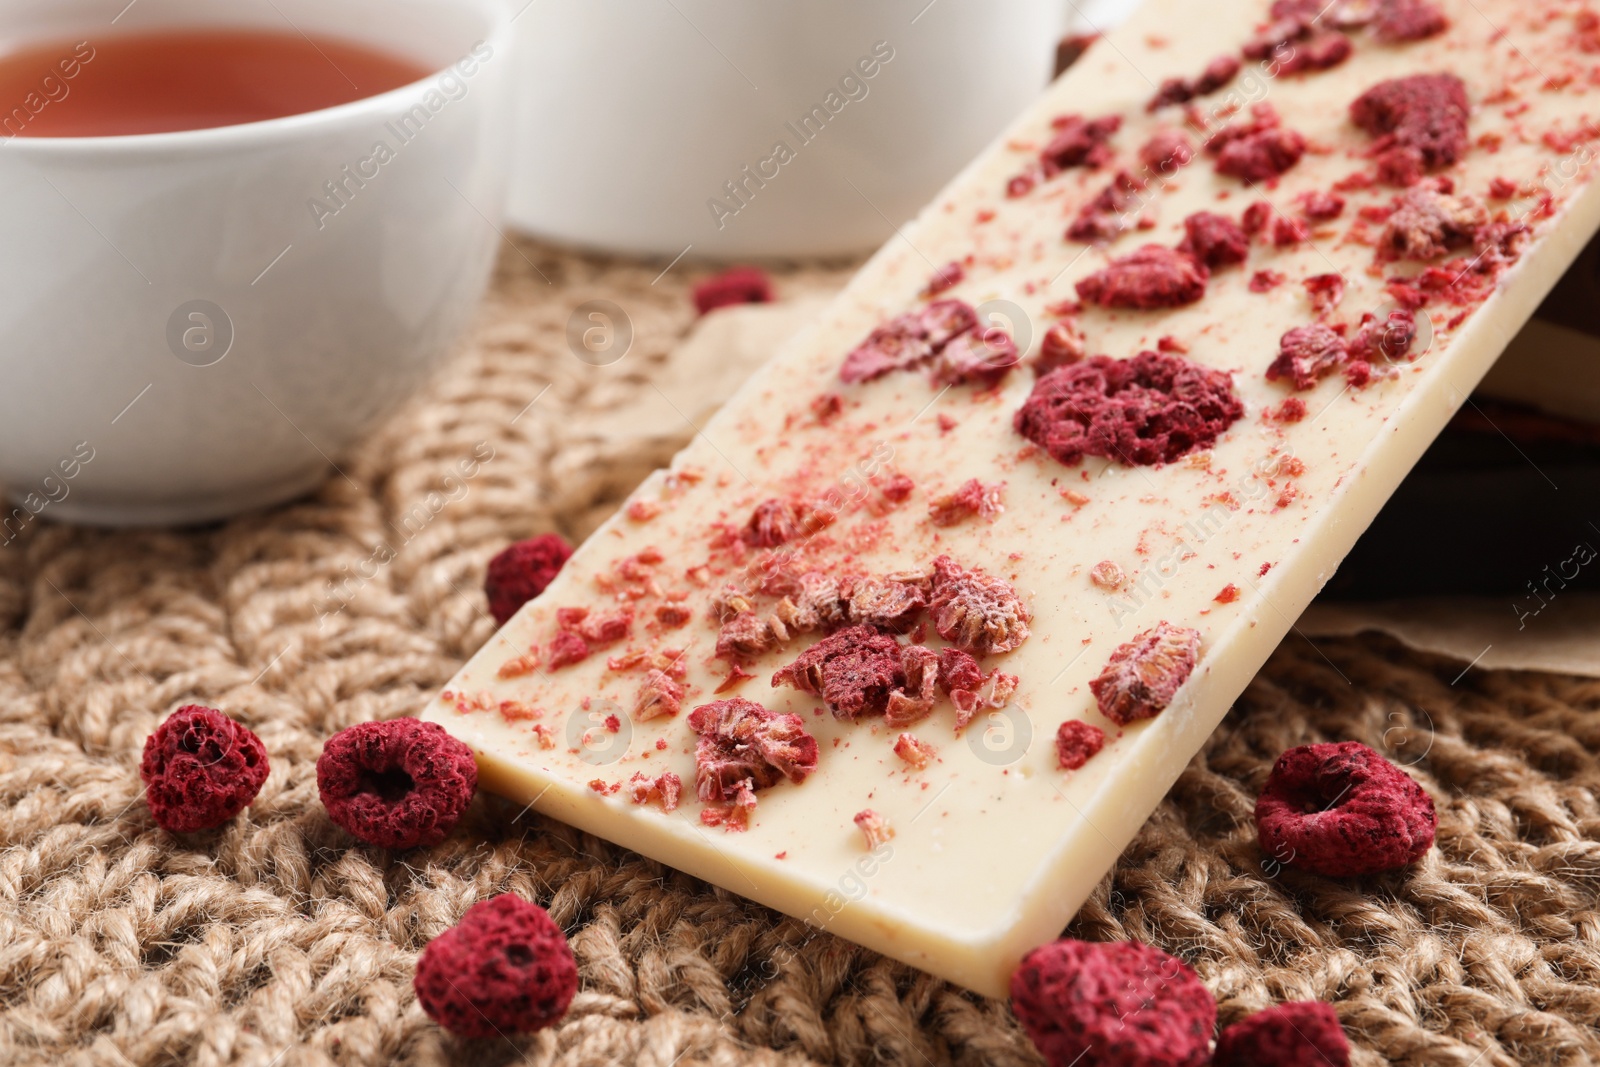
634,114
184,333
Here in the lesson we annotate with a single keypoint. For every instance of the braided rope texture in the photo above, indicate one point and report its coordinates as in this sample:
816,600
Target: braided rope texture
279,942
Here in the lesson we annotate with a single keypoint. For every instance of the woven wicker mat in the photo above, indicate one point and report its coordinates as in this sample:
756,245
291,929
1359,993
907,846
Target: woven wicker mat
277,941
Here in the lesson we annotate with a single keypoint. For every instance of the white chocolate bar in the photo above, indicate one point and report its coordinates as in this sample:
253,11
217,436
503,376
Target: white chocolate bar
993,846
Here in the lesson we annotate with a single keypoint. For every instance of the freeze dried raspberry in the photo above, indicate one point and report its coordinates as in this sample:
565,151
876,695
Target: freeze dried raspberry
1306,354
504,968
1264,281
908,340
1144,674
1408,20
1320,206
1063,343
1255,217
565,649
976,612
1166,152
1078,142
1291,410
958,671
972,498
744,636
1289,1035
1153,408
1423,117
200,769
665,790
885,603
659,696
1425,225
1150,277
897,490
1218,72
1287,232
737,285
1077,742
981,358
521,572
1110,212
854,671
1215,240
917,754
1107,575
912,702
1389,339
603,627
1341,810
776,522
875,829
1325,291
946,277
1121,1004
396,784
1258,150
742,742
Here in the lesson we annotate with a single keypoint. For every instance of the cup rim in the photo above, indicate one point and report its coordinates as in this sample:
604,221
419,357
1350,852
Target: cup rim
500,25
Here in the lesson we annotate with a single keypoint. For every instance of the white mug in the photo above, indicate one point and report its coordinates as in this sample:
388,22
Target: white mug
738,128
196,323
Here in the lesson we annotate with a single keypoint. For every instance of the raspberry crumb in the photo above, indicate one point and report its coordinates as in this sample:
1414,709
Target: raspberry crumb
1215,240
744,747
1287,232
673,616
567,648
1419,122
1289,1035
664,790
1321,206
1109,212
1166,152
1425,224
200,769
1229,594
1144,674
916,753
898,489
396,784
958,672
1408,20
874,827
1153,408
1256,217
976,612
659,696
827,407
643,510
1079,142
522,571
1077,742
909,340
520,666
504,968
854,671
1262,573
737,285
1291,410
1218,73
1063,343
972,498
1121,1004
1342,810
1325,290
1148,278
1263,281
1107,575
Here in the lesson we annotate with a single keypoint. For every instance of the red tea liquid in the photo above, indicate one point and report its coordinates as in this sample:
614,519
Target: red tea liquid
185,80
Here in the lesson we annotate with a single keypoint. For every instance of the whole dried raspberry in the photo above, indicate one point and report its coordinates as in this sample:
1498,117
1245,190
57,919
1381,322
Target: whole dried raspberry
1289,1035
1215,240
1077,742
976,612
1122,1004
741,741
1341,810
1154,408
737,285
200,769
1306,354
1148,278
1423,116
504,968
854,671
396,784
521,572
1144,674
